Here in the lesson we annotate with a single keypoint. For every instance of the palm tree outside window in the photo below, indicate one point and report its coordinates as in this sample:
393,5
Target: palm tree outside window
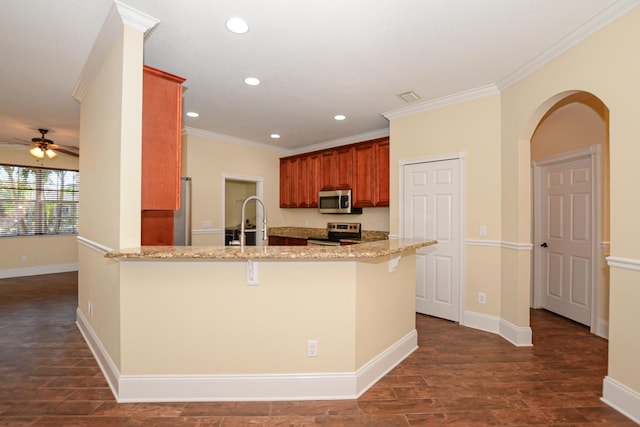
38,201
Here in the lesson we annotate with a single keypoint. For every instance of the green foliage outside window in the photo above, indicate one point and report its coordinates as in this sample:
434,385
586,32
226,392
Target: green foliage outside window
38,201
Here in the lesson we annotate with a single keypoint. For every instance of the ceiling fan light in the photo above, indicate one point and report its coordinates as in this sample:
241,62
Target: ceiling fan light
50,153
37,152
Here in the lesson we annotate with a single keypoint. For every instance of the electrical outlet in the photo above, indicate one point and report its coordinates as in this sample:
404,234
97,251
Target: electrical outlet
252,273
312,348
23,258
482,298
483,230
207,224
90,308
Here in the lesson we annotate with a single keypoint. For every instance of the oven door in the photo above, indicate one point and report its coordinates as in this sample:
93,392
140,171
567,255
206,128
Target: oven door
322,242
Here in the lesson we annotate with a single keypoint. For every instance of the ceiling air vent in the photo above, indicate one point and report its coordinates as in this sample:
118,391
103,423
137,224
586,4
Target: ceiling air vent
409,96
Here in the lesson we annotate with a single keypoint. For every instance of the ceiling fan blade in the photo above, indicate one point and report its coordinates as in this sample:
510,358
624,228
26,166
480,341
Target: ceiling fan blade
25,143
65,151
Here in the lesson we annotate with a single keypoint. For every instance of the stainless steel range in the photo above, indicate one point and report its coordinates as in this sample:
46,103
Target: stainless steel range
337,231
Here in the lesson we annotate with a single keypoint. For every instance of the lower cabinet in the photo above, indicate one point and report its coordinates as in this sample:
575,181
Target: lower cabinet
286,241
156,228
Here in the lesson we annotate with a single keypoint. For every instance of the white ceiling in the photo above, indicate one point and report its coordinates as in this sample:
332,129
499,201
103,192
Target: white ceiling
315,58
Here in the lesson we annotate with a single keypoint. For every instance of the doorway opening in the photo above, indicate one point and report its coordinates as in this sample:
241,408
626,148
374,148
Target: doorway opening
236,189
570,210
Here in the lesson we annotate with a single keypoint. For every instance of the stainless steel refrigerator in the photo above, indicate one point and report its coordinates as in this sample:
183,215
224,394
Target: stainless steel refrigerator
182,217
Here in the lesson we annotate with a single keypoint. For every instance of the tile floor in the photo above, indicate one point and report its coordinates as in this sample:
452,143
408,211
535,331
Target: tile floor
458,377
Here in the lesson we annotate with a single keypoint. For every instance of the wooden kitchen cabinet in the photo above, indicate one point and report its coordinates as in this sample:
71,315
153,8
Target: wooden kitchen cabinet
328,170
344,156
285,184
286,241
156,228
362,167
161,155
336,168
277,241
309,180
299,181
371,173
161,140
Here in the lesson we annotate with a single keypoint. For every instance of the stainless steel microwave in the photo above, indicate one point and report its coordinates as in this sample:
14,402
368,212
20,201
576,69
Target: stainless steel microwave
336,202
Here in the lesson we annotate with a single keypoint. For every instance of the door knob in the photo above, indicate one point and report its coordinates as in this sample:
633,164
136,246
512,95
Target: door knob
544,245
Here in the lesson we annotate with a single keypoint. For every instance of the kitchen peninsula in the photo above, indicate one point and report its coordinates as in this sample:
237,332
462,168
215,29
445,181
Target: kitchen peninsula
257,323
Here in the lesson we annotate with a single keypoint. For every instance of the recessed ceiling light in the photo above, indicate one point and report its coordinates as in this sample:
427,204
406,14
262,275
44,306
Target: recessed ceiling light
237,25
252,81
193,114
339,117
275,136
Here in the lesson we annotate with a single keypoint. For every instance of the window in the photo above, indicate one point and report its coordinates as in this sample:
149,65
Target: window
38,201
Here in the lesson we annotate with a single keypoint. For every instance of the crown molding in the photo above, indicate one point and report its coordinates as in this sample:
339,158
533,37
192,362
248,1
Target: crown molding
380,133
119,15
232,139
136,19
444,101
614,11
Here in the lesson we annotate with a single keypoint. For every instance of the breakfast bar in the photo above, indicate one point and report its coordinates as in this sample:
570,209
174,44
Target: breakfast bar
256,323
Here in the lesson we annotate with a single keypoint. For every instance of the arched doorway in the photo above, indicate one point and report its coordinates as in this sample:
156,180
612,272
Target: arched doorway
570,209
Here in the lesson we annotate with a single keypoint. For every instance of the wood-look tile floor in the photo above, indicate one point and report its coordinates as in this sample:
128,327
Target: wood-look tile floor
458,377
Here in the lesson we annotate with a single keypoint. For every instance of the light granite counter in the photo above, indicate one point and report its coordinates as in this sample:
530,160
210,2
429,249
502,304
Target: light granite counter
367,250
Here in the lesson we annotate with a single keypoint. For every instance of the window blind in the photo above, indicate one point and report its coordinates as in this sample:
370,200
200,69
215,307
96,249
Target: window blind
38,201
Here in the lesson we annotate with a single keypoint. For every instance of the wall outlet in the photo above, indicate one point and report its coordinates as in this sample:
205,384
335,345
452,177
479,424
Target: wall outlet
312,348
23,258
90,308
252,273
482,298
207,224
483,230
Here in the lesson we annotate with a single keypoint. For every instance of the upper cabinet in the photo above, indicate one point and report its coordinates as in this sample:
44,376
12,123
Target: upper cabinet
161,140
296,192
362,167
372,174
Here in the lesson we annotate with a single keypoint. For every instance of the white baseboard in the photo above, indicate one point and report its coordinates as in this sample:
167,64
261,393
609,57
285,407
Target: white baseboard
38,270
516,335
602,330
519,336
621,398
109,369
297,386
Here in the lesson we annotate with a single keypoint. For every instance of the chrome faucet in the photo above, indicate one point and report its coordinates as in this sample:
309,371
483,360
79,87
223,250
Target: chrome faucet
264,220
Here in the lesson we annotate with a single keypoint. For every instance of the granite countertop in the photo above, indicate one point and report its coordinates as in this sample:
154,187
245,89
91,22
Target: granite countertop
366,250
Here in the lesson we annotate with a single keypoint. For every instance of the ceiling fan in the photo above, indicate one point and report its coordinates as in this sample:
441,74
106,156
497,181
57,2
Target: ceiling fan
43,146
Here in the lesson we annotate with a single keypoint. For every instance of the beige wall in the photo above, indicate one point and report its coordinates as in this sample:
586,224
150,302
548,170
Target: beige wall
110,137
213,323
601,65
208,160
43,252
495,133
471,128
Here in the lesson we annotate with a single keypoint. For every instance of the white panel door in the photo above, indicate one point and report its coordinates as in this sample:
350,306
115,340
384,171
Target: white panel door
431,198
566,230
